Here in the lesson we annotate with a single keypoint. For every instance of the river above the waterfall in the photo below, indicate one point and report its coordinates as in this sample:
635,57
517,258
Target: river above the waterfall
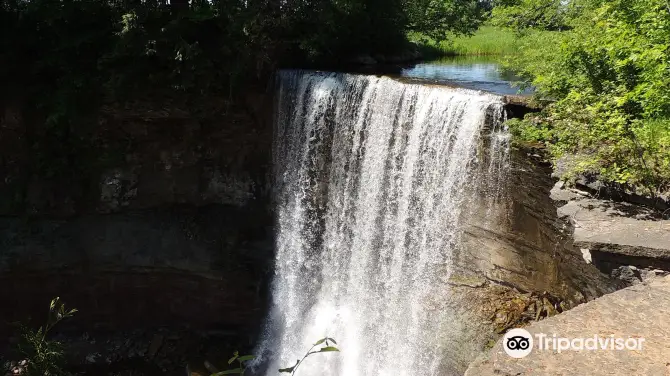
471,72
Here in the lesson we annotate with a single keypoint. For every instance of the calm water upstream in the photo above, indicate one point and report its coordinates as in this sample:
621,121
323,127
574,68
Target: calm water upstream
472,72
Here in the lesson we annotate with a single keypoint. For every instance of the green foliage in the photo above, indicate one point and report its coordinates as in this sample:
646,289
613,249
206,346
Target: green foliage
241,365
92,50
324,349
609,77
487,40
538,14
44,357
338,29
437,19
241,368
529,132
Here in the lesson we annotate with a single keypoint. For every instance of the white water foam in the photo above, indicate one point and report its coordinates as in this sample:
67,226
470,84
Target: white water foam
372,176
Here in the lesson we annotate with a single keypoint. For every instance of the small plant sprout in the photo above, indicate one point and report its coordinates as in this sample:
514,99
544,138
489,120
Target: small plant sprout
241,360
324,349
44,357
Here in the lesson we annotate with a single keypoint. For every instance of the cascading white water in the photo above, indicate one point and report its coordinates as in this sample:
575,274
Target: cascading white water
372,176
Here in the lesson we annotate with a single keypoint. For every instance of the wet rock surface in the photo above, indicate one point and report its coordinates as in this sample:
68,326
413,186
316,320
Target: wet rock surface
520,240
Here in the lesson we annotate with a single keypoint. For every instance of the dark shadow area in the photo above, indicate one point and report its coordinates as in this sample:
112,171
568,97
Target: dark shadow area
195,279
615,264
621,194
624,209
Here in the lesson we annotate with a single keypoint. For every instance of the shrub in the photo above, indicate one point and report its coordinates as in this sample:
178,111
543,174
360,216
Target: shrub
44,357
609,78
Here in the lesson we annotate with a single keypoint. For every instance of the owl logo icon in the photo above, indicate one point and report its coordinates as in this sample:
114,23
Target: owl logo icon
518,343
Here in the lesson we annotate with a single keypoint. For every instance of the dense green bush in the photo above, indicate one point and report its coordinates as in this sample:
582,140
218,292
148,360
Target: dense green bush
81,49
538,14
609,75
438,19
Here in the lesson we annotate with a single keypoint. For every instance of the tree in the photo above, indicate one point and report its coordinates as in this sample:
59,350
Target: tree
609,77
535,14
439,18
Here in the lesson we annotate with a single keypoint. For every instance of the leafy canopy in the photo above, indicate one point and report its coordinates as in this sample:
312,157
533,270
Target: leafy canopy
609,75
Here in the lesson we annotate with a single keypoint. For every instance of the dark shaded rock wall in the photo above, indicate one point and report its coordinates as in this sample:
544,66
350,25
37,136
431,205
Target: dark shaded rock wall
169,223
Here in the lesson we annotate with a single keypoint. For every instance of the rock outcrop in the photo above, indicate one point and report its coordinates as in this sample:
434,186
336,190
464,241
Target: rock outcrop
517,262
630,244
627,241
636,312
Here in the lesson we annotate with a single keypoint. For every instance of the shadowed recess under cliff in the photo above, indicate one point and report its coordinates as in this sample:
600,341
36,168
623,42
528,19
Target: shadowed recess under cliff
372,178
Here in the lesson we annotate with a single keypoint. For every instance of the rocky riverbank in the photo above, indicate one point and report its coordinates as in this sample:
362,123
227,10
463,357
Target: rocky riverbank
629,243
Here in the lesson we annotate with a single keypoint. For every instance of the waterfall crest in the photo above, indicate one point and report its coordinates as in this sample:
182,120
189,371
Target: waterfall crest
372,178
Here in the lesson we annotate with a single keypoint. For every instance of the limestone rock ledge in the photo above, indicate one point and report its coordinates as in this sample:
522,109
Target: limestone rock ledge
640,311
627,241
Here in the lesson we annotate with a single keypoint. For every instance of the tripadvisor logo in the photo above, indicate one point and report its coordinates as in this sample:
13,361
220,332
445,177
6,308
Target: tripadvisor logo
519,343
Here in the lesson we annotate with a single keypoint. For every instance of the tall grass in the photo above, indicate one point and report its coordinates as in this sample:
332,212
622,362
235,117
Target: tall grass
488,40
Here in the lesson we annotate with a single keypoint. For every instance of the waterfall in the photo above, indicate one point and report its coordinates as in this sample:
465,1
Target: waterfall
372,178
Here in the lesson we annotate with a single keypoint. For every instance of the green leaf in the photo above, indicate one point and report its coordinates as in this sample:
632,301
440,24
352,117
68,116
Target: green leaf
246,357
328,348
326,340
235,356
229,372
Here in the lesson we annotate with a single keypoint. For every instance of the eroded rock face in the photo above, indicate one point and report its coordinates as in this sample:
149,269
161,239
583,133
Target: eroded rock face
532,248
625,242
141,155
175,226
518,262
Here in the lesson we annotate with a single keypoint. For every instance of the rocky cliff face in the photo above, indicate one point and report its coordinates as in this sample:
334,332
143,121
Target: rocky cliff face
629,243
520,239
518,262
169,222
